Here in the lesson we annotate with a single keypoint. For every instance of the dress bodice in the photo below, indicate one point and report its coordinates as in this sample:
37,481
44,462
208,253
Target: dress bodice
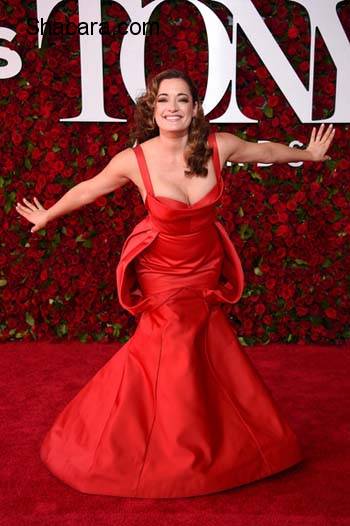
172,216
176,236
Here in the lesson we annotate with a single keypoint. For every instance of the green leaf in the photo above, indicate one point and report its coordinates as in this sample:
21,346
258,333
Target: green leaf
327,263
116,329
27,163
30,319
98,336
55,240
331,164
246,232
10,198
346,333
62,329
30,146
268,111
256,176
301,262
22,82
280,302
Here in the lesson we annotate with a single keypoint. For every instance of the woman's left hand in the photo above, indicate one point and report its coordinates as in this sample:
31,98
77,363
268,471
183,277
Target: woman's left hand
320,143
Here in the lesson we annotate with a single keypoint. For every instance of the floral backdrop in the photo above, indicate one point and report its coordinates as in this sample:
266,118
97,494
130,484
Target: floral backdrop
290,225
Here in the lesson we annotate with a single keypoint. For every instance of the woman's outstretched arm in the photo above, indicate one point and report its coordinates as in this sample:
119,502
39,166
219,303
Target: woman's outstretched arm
114,175
240,151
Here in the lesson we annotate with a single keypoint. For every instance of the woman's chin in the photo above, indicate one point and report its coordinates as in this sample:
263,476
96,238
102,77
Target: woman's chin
173,127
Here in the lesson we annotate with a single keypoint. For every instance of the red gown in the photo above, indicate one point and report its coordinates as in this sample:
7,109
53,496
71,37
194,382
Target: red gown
179,410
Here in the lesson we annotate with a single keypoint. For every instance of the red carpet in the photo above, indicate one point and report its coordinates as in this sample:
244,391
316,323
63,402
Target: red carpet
310,384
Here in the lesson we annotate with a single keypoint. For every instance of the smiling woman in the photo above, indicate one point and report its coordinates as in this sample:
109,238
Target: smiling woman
180,409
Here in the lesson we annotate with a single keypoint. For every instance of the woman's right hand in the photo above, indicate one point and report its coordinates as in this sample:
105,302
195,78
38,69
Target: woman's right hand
35,213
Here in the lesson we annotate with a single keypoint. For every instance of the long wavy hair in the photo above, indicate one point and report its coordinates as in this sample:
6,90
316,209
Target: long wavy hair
144,127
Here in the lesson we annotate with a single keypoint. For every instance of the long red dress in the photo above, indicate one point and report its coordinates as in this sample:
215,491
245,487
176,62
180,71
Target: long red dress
179,410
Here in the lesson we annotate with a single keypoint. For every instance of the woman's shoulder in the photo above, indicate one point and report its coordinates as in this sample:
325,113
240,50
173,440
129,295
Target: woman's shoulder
224,141
219,138
148,143
127,162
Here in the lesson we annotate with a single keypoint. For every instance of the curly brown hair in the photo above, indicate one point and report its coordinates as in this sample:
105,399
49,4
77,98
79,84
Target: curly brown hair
197,151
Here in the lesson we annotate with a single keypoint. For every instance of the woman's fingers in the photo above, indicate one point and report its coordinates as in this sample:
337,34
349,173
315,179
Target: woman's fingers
327,133
330,139
331,135
319,133
23,210
20,207
313,134
39,204
29,204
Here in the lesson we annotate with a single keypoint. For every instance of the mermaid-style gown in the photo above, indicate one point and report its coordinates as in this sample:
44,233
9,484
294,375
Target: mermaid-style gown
179,410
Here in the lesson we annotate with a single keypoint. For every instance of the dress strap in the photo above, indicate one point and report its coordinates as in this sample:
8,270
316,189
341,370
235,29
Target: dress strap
216,160
140,156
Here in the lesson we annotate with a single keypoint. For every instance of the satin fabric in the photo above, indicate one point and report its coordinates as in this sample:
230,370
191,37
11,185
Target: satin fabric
179,410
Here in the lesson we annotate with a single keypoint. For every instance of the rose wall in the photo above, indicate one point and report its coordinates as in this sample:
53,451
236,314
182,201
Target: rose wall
290,225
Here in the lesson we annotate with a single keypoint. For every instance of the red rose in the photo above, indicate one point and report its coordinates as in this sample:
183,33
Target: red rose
331,313
181,45
293,32
270,284
262,73
260,309
283,231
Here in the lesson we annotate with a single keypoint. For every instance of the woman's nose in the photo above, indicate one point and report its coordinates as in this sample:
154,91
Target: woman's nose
172,104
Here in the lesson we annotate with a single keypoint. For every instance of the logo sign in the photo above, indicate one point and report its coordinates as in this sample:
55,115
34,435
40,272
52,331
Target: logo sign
222,53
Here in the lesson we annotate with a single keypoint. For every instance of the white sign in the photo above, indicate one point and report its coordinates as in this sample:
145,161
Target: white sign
222,57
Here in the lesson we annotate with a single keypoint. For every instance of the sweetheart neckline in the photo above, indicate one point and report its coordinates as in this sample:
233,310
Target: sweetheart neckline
188,205
217,171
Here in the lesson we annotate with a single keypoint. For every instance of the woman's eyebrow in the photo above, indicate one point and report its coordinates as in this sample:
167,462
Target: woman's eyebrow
159,94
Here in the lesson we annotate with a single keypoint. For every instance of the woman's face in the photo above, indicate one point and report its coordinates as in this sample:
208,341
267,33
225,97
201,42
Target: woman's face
174,106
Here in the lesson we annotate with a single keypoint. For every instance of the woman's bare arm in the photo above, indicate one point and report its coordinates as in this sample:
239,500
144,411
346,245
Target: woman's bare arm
237,150
114,175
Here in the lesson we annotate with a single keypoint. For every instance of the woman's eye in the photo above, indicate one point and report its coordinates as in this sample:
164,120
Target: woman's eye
165,100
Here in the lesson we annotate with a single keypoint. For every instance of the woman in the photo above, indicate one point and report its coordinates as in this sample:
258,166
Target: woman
179,410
